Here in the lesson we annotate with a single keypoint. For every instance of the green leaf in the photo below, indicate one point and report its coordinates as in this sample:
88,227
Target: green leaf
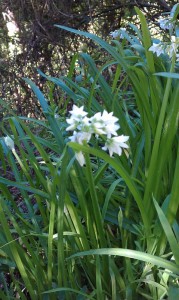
151,259
168,75
146,40
24,187
173,292
66,289
46,109
174,12
168,232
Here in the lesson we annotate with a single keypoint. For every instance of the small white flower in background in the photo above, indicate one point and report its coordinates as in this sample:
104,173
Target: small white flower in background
157,48
166,23
168,48
173,47
123,30
115,144
9,142
117,33
101,124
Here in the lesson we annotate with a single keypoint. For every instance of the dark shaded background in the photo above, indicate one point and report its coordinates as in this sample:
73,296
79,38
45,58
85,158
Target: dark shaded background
35,41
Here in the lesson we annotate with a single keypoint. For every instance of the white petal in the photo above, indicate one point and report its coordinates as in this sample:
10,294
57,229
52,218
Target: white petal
114,34
78,112
71,127
121,138
80,158
115,144
9,142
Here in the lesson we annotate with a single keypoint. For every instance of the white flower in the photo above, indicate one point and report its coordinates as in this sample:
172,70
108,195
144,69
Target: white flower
123,30
80,124
157,48
115,144
77,112
166,24
173,47
80,137
118,33
97,124
80,158
114,34
109,122
73,124
104,123
77,115
9,142
108,117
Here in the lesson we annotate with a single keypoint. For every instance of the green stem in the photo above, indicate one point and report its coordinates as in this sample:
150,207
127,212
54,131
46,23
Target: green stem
50,243
61,181
174,199
95,204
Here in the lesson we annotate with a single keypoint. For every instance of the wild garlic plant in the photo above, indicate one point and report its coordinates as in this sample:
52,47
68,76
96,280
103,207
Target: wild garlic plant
108,230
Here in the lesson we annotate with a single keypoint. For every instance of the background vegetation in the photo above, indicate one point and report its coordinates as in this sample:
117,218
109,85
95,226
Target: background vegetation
29,39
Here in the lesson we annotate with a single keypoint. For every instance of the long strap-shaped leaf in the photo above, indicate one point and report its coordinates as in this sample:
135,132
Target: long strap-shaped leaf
46,109
152,259
168,232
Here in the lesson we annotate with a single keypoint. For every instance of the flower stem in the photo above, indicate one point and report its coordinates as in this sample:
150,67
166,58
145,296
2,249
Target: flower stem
95,204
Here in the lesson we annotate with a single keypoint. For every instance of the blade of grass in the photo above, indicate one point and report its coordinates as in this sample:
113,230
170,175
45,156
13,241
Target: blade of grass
100,294
168,232
151,259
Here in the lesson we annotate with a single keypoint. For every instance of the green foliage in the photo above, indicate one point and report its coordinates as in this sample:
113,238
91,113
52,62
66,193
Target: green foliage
107,230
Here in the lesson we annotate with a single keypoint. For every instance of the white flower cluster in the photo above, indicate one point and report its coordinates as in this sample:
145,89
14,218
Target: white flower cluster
163,48
101,124
167,48
118,33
